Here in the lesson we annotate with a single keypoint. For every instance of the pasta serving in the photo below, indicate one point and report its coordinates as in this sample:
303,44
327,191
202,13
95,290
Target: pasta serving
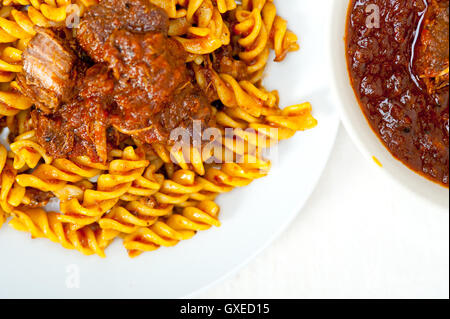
92,93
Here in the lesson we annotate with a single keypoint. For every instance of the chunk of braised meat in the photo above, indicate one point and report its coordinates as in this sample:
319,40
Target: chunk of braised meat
17,125
205,76
79,127
50,70
51,133
432,52
149,69
224,61
188,105
100,21
154,92
37,197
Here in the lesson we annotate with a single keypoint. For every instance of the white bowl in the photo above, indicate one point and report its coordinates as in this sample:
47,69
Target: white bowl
356,123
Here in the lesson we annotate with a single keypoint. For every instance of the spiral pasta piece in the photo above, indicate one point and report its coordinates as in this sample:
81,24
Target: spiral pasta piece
124,221
145,185
11,193
170,6
27,152
226,5
20,124
12,103
255,101
3,157
47,13
110,187
185,155
198,25
88,240
149,207
19,26
250,107
185,187
170,231
271,128
293,118
188,157
3,217
260,29
53,177
10,58
232,175
127,218
181,187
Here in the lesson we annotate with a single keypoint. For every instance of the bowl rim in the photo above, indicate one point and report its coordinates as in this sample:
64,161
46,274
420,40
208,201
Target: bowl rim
340,83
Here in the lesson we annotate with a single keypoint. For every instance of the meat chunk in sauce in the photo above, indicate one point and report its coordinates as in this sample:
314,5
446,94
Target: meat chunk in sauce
37,198
224,62
80,127
432,52
140,86
50,70
100,21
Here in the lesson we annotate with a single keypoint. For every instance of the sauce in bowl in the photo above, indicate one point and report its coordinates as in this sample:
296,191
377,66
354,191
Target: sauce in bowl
397,55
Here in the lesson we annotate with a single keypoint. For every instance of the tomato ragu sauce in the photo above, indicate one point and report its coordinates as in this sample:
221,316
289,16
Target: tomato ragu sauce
398,59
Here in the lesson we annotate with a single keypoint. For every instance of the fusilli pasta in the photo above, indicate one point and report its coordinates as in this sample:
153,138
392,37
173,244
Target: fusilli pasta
150,195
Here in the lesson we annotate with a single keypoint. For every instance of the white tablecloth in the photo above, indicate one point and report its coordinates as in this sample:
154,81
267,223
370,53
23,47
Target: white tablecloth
359,236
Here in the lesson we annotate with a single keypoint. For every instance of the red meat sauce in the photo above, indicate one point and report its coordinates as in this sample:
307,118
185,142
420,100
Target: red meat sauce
120,77
399,73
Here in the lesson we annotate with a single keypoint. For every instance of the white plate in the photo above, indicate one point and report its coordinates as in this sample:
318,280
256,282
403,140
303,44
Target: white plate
357,125
251,217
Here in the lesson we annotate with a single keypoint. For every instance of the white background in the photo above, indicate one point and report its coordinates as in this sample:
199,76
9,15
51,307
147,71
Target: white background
360,236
